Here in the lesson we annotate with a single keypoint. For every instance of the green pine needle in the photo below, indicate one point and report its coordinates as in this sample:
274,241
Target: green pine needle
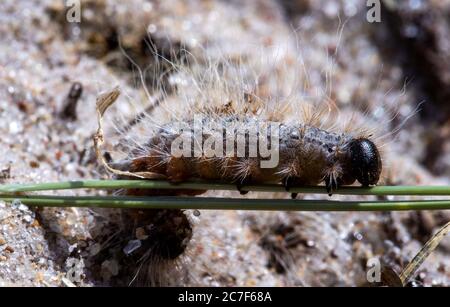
198,185
204,203
16,191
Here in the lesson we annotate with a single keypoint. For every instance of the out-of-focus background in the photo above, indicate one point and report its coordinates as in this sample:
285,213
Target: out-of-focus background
382,69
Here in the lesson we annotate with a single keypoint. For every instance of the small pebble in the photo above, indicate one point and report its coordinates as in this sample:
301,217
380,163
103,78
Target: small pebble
95,249
310,243
34,164
132,246
141,234
22,208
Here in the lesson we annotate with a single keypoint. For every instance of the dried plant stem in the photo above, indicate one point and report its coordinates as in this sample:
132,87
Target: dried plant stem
423,254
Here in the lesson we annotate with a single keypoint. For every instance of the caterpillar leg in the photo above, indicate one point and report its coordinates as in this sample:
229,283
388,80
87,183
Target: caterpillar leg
331,184
288,182
239,186
246,181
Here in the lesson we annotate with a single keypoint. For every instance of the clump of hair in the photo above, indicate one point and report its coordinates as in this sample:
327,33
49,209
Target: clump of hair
133,247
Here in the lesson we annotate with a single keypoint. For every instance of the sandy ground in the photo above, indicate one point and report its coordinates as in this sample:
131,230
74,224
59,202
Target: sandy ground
41,55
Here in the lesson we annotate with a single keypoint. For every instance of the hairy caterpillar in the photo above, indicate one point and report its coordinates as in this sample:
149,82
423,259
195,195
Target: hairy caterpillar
315,145
306,154
149,246
157,236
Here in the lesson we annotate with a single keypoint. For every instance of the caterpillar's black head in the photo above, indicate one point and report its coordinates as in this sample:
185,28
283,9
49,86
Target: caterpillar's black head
365,161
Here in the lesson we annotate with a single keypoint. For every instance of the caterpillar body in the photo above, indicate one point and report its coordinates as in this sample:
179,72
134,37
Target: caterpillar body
307,155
